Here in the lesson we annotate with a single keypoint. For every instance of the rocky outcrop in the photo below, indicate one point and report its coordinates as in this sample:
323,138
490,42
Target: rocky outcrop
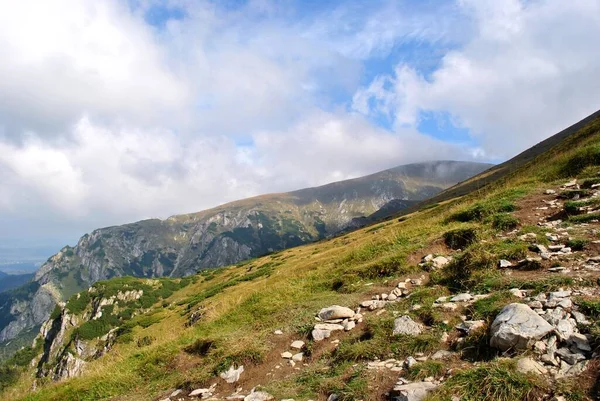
517,327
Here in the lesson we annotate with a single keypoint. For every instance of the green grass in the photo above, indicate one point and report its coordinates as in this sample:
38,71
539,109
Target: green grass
504,222
427,369
495,381
460,237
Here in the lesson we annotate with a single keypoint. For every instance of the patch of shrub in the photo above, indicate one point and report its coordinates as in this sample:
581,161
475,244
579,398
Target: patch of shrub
145,341
460,238
481,210
78,302
587,156
577,244
504,222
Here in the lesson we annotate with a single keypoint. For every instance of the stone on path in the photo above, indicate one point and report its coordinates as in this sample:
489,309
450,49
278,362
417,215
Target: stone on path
517,327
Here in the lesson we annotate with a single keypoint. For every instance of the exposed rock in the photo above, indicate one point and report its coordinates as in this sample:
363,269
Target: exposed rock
440,262
298,357
286,355
412,391
517,327
441,355
528,365
461,298
349,325
328,326
335,312
258,396
471,326
297,344
405,325
570,357
503,264
232,375
320,334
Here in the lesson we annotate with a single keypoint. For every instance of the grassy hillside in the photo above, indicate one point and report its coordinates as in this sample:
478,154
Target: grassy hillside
238,308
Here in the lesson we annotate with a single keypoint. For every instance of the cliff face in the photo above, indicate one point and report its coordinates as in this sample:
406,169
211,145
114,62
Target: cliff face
184,244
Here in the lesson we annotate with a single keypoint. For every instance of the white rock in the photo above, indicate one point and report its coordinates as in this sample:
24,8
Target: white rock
517,292
232,375
405,325
442,354
464,297
440,262
298,357
258,396
328,326
349,325
176,393
320,334
335,312
528,365
412,391
470,326
503,264
286,355
278,332
517,326
297,344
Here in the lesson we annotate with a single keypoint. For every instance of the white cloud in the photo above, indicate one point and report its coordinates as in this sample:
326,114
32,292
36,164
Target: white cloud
529,71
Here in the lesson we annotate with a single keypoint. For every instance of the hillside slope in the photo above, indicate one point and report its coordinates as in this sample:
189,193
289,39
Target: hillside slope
184,244
435,292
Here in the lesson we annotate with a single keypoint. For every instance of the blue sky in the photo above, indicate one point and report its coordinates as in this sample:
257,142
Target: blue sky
121,110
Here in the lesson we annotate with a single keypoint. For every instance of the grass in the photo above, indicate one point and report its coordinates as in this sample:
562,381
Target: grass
460,237
504,222
494,381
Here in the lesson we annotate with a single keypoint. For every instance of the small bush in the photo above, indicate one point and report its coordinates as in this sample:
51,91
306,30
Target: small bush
577,244
587,156
482,210
504,222
460,238
78,302
584,218
426,369
145,341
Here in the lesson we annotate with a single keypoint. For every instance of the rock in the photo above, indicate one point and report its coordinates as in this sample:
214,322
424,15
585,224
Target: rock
549,192
464,297
580,341
200,392
528,365
392,297
320,334
442,354
298,357
535,305
440,262
566,250
565,303
410,362
564,329
470,326
328,326
258,396
405,325
449,306
349,325
278,332
517,292
176,393
503,264
580,318
570,357
333,397
517,326
232,375
427,258
286,355
297,344
412,391
335,312
441,300
560,294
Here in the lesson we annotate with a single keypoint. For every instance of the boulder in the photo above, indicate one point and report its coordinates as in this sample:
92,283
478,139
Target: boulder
335,312
464,297
405,325
412,391
516,327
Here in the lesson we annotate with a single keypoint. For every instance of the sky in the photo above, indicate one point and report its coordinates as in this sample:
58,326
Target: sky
115,111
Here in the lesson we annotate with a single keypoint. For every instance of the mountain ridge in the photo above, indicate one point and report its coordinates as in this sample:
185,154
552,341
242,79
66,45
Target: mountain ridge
227,234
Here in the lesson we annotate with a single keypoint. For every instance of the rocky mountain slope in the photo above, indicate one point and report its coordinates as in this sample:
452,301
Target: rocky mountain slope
491,296
184,244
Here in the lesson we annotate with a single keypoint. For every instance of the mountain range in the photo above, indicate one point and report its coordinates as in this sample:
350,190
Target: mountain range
185,244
